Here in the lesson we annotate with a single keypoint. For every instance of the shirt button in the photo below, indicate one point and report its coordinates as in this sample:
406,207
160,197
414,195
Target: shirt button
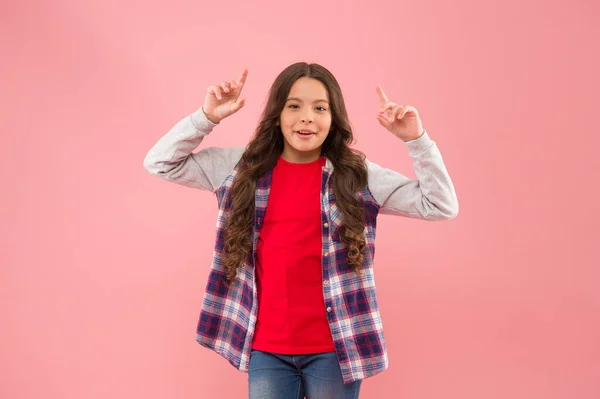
325,253
325,282
325,225
328,308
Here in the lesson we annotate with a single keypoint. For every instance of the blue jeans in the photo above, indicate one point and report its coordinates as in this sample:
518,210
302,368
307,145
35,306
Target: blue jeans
316,376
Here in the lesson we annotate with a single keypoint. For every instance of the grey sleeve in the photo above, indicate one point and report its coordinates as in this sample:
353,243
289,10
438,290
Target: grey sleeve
431,196
172,157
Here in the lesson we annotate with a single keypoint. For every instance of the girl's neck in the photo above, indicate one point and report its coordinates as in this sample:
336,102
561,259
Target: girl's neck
301,157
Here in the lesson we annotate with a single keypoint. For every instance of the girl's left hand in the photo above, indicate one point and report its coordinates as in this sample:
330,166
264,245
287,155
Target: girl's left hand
402,120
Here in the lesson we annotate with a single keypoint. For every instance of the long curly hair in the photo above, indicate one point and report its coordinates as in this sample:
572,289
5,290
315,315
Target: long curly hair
348,178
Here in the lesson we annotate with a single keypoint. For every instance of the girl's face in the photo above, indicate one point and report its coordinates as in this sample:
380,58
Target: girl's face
305,121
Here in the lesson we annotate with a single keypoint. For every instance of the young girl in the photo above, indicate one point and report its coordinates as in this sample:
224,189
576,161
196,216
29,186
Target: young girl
290,297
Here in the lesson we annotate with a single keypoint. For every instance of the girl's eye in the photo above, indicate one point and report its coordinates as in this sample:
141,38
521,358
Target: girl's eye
295,106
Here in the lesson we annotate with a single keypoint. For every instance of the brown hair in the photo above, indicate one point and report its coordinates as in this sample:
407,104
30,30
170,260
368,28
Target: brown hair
261,155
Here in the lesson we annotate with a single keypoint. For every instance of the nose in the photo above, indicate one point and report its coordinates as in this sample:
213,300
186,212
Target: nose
307,118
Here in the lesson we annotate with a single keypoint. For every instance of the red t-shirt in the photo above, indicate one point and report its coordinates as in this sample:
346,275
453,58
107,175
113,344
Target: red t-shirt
291,310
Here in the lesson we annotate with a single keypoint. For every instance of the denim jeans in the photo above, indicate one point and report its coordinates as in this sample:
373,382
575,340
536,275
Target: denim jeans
316,376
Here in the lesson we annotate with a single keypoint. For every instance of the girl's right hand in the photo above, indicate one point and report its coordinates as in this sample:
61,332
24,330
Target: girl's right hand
224,99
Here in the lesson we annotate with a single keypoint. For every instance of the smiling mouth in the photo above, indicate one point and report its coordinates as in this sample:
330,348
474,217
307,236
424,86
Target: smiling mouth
305,132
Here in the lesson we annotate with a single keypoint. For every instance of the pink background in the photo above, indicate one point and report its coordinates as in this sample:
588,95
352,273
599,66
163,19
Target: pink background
103,266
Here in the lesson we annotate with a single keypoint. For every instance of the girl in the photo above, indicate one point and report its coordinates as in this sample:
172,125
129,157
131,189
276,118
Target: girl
290,297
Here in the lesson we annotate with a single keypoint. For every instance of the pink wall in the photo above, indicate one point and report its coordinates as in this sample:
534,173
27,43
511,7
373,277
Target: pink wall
103,266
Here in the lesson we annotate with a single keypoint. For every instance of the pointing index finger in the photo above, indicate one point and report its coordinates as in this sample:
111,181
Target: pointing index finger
382,97
243,77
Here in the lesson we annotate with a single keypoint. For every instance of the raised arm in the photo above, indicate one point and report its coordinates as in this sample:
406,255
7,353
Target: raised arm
172,157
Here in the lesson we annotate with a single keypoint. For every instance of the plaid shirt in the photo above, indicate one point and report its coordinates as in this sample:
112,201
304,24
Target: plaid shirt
229,311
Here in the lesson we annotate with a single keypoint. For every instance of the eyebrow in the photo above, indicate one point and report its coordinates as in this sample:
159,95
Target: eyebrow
299,100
